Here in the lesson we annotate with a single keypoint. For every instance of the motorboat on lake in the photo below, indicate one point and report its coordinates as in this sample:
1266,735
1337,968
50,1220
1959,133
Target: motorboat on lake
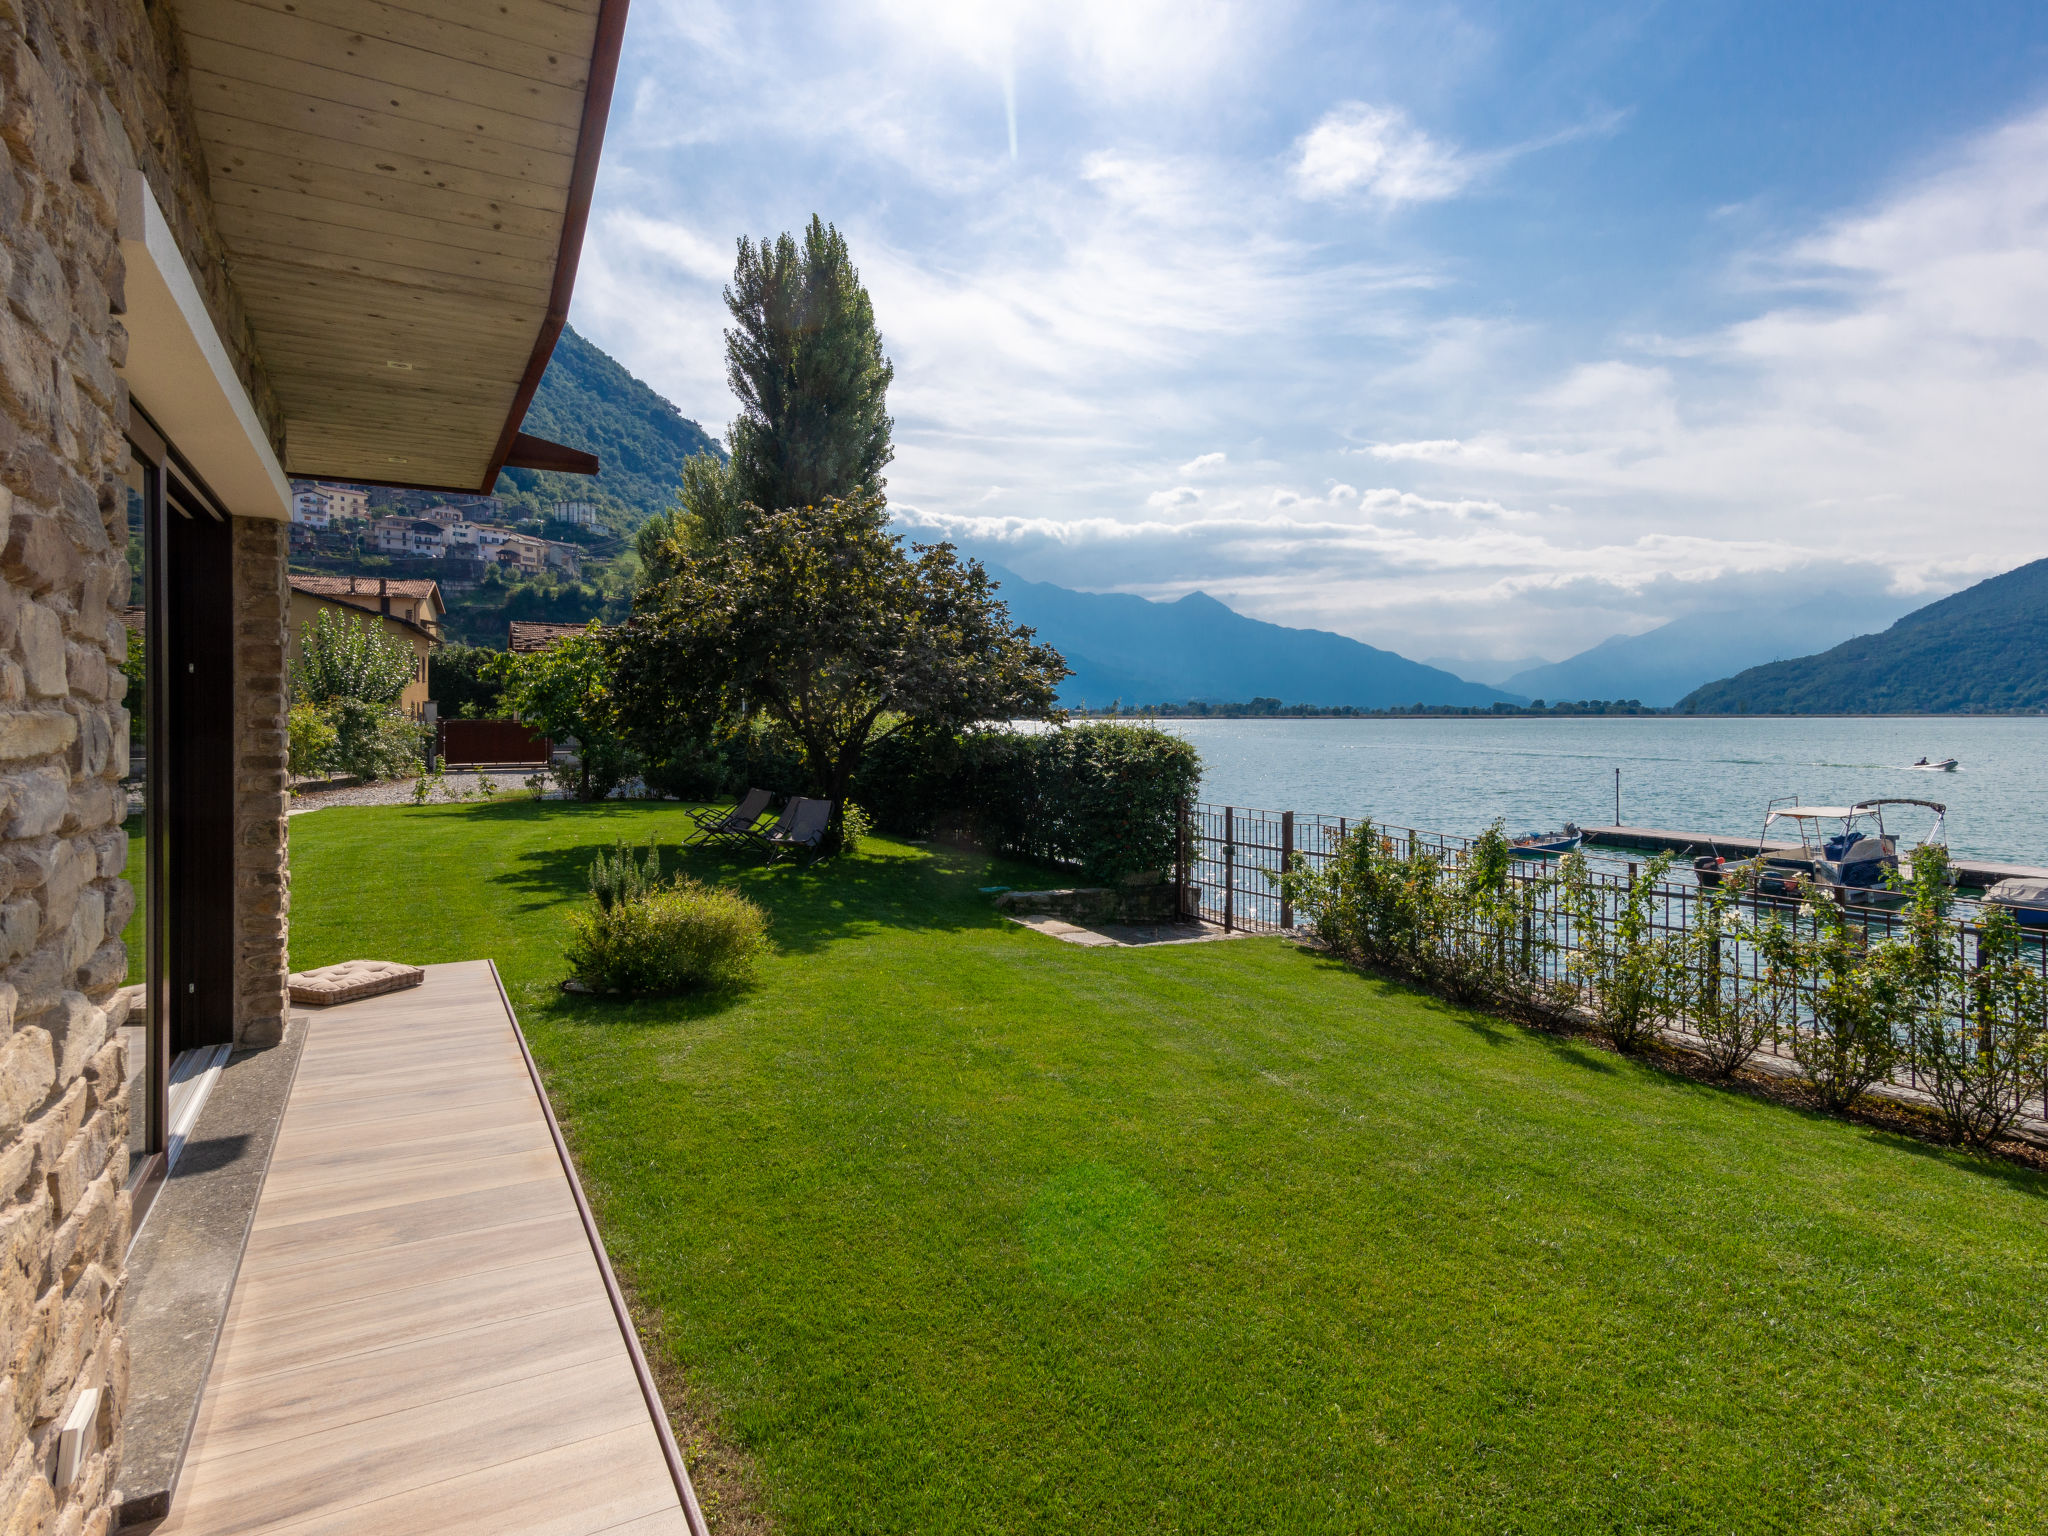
1844,849
2025,897
1939,765
1548,845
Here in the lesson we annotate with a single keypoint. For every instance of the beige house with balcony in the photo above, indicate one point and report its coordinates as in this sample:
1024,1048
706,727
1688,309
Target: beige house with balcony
247,241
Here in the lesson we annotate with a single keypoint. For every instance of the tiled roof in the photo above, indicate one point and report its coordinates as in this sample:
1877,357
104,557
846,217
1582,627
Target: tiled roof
538,637
366,586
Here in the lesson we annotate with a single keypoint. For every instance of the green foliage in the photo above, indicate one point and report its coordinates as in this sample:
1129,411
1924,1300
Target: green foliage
1731,1021
467,681
1618,958
311,741
566,690
681,937
820,620
135,698
1459,923
805,360
623,875
706,510
348,656
1100,796
1849,1039
374,742
855,826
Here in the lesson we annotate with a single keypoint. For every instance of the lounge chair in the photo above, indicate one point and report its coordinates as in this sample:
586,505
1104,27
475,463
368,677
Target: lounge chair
802,825
721,826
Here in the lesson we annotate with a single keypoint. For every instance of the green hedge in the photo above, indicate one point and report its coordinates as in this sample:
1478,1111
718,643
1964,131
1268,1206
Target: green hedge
1103,797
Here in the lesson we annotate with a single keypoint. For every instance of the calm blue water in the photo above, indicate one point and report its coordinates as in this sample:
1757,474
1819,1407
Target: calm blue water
1690,775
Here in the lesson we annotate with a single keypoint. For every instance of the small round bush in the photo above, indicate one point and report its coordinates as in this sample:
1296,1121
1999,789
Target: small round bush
680,937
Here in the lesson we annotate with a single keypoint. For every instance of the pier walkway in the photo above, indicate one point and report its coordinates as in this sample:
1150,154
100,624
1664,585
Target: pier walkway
1969,871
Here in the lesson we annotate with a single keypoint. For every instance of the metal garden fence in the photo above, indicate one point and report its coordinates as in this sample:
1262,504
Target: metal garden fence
1231,858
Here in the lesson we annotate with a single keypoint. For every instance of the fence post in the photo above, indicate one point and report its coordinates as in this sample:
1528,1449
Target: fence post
1286,863
1180,860
1229,867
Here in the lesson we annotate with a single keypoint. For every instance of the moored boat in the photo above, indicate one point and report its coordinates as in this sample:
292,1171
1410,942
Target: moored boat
1547,845
2025,898
1858,863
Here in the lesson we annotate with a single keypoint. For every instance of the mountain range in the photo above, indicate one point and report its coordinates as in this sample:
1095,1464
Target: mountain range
1661,666
1983,650
1125,647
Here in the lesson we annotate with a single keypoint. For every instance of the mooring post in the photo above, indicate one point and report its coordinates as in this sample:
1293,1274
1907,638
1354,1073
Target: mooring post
1286,864
1229,868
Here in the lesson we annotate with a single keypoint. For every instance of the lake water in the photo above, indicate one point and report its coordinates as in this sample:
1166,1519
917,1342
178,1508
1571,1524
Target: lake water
1689,775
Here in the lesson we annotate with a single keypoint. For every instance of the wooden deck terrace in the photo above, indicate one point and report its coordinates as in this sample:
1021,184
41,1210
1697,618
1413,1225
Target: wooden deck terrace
424,1335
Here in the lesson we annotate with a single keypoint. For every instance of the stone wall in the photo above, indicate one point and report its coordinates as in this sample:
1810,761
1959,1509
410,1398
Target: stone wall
262,876
88,87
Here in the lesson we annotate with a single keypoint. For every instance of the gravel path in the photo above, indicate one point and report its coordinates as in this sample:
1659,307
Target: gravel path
456,786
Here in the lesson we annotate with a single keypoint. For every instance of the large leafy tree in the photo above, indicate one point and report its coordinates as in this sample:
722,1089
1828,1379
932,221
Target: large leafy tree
348,656
806,362
820,619
566,691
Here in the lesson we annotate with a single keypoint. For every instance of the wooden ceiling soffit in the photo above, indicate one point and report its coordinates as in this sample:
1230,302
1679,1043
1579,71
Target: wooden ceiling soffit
403,190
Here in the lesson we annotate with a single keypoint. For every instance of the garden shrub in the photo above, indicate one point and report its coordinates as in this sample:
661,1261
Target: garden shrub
1850,1038
311,741
1103,796
1705,991
1620,962
1463,925
855,826
680,937
623,875
373,741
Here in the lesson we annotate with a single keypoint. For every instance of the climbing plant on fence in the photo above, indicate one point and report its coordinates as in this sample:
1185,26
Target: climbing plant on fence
1855,998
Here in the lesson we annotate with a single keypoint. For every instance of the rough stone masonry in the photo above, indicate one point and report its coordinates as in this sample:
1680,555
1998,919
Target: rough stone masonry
88,89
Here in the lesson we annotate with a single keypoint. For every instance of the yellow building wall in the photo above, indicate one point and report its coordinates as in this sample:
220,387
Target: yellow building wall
305,605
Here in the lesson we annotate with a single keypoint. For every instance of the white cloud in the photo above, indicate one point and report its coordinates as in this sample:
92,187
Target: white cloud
1360,148
1179,496
1204,463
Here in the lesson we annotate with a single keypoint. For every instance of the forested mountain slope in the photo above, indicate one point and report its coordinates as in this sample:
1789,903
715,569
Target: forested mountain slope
1984,650
588,400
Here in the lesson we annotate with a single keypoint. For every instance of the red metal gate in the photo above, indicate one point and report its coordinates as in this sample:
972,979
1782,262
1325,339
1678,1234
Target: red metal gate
492,744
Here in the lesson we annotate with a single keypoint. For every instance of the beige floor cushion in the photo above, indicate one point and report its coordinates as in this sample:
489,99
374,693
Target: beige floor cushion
353,979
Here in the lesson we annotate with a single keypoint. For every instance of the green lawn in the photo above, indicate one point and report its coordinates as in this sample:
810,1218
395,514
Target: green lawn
964,1229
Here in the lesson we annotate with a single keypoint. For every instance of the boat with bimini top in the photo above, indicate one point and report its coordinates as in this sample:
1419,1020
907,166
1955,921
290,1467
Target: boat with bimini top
1841,848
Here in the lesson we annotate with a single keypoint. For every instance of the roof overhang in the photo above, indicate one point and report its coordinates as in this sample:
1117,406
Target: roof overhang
179,371
402,194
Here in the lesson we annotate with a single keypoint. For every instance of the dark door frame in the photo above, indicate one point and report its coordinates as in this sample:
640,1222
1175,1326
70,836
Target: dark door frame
188,775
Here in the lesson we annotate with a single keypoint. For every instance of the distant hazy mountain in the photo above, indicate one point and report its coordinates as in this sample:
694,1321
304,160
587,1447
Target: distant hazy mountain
1984,649
1123,647
1662,665
1492,674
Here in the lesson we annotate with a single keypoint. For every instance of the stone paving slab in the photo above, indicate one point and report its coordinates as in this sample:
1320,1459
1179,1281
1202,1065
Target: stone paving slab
1125,935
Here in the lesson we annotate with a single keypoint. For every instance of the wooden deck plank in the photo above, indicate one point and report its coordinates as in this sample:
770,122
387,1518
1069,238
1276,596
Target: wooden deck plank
421,1339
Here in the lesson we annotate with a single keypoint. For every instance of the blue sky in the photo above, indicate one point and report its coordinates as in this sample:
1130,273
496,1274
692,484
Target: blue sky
1467,330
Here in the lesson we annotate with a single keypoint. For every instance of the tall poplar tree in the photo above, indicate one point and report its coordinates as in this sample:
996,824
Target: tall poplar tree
806,362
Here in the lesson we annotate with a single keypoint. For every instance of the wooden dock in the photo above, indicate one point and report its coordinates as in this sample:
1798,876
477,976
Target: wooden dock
1969,871
424,1336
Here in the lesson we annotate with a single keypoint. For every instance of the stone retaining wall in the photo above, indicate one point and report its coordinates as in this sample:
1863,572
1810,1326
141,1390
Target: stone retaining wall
89,88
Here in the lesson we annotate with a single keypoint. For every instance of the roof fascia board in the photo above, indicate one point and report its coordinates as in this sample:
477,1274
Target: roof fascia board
180,372
597,107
